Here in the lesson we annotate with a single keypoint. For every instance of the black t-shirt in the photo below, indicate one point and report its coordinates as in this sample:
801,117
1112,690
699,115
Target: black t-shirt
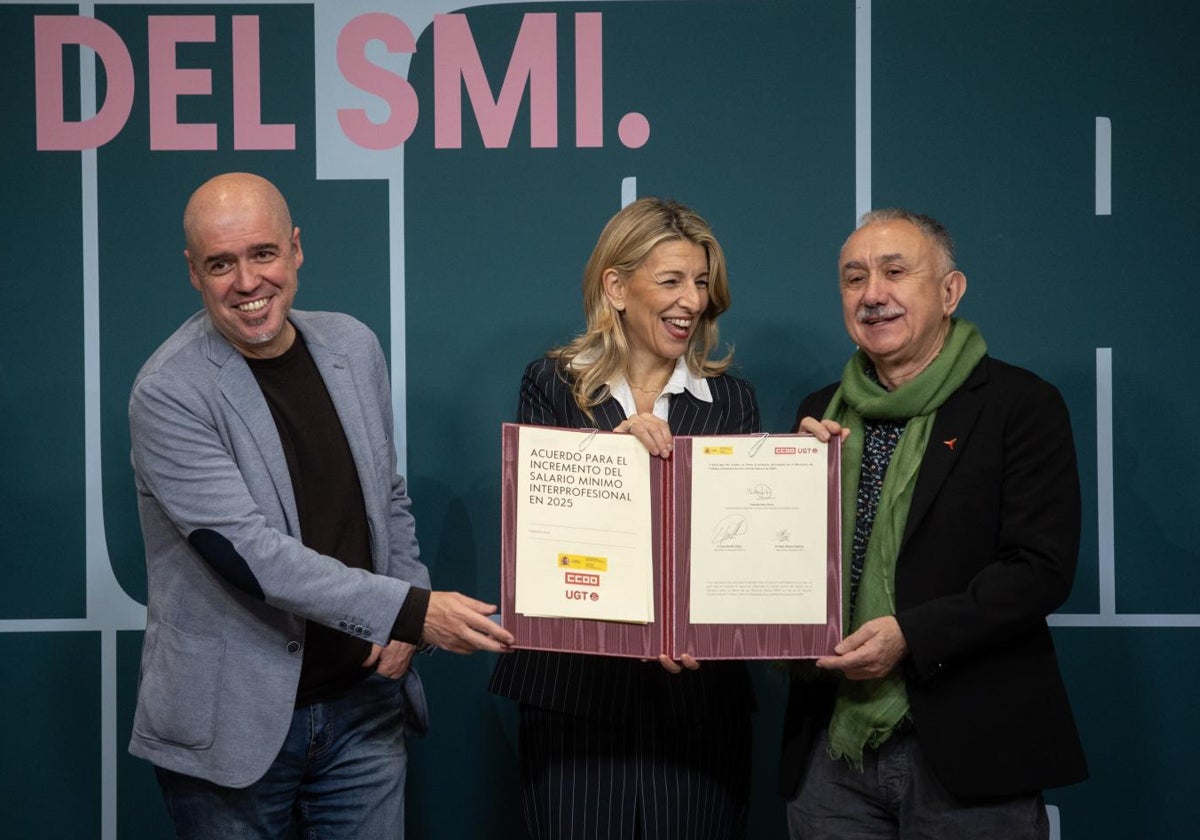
329,499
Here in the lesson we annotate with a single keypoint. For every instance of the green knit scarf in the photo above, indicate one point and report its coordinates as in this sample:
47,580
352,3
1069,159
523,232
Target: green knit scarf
866,712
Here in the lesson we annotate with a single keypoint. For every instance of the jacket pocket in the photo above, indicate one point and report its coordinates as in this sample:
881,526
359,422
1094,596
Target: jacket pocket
177,699
416,712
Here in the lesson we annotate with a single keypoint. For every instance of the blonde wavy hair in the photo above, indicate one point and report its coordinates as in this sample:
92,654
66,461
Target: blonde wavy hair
598,354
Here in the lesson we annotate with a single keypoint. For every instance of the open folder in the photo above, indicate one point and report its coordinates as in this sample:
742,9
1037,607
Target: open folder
730,549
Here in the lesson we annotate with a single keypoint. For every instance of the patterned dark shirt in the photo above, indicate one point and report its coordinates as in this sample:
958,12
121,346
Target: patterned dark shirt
880,438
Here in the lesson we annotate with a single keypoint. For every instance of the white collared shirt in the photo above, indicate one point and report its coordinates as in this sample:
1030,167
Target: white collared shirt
681,380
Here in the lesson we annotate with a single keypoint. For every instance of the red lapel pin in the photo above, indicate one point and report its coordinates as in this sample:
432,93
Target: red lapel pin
950,443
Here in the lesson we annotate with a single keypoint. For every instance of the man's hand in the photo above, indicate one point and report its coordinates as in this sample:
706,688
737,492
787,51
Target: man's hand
870,652
391,661
459,624
823,430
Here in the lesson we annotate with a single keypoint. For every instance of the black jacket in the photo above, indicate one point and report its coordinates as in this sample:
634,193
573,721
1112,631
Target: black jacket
989,550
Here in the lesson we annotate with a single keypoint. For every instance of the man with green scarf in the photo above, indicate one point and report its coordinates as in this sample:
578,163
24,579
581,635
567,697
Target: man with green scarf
943,713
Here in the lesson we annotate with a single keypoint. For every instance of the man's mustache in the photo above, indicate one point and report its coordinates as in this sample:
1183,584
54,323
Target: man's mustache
879,312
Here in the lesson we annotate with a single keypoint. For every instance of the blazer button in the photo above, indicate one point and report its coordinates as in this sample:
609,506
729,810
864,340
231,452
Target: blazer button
293,647
367,632
342,624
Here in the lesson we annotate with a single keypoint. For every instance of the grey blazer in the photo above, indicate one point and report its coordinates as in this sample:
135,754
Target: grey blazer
230,582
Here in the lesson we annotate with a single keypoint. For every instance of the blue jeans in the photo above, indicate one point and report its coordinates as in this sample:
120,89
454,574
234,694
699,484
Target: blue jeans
897,797
339,774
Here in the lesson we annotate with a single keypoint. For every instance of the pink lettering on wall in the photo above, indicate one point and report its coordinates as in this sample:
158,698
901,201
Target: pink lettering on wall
168,82
50,34
532,66
634,130
589,81
534,58
248,129
391,88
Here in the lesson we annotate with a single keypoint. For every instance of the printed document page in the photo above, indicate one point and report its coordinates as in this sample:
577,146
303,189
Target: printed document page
759,530
584,546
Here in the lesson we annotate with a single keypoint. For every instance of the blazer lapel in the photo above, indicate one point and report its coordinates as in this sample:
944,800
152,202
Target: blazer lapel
691,416
675,413
335,370
240,388
608,414
952,426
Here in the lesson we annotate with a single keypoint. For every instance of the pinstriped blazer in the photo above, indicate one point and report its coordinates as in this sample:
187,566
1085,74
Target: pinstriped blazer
606,687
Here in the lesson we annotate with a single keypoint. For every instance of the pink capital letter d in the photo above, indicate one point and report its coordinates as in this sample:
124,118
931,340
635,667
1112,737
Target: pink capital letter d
50,34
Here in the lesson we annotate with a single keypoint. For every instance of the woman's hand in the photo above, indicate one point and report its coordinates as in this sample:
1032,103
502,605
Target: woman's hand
674,667
654,433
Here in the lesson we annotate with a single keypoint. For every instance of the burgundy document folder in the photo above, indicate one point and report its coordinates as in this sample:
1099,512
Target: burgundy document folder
672,631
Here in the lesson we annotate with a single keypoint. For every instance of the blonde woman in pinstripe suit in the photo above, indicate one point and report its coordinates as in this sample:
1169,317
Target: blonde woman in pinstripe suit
613,747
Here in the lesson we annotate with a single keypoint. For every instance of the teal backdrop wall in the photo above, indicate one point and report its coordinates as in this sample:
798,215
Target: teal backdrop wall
1057,141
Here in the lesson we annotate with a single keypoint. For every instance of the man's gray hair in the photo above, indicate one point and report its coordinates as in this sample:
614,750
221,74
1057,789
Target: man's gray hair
928,226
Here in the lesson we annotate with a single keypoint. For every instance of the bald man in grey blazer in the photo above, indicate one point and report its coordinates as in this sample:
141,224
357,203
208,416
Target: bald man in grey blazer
286,596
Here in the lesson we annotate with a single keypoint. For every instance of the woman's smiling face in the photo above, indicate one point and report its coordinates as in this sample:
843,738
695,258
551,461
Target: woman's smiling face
661,302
